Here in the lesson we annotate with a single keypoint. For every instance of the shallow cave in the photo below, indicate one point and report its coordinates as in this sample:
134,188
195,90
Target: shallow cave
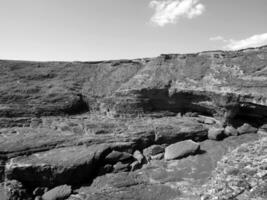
182,102
253,114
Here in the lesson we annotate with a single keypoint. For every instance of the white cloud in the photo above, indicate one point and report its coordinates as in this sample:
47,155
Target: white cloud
217,38
170,11
253,41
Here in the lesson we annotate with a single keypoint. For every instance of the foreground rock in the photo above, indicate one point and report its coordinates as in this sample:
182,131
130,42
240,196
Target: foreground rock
181,149
241,174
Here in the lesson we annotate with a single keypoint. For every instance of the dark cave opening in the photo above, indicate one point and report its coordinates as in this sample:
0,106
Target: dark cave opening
253,114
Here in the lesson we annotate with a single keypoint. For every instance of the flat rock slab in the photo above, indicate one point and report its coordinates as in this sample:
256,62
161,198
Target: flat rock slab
71,165
181,149
27,140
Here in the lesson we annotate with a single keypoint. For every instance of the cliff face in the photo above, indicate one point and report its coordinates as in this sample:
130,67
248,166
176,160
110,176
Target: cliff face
221,84
103,127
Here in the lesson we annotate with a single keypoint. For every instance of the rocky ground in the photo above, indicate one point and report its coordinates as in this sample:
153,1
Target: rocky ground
174,127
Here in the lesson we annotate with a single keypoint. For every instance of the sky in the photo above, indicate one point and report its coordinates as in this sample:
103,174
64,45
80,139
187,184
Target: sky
90,30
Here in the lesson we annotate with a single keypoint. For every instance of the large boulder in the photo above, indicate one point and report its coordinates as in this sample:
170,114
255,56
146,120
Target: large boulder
181,149
58,193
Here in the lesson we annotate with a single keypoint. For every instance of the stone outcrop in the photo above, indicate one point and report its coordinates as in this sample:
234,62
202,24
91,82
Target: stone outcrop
104,128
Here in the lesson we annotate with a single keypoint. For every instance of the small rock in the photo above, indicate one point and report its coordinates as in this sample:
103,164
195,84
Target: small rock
246,128
116,156
158,156
15,190
38,198
208,121
264,127
263,130
135,165
138,156
58,193
215,133
78,130
181,149
230,131
63,126
121,167
153,150
105,169
39,191
35,122
191,114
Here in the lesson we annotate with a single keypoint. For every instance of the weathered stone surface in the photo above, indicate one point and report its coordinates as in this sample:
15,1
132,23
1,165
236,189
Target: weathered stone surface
241,174
58,193
216,133
246,128
181,149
